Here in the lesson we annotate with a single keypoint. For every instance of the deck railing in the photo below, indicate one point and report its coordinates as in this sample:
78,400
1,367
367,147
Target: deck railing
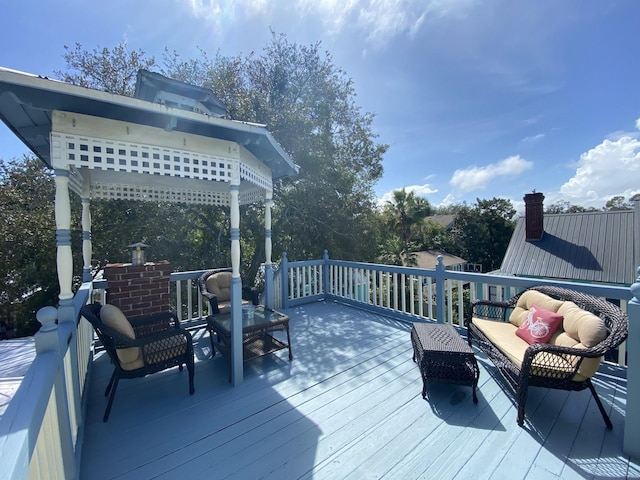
39,431
411,294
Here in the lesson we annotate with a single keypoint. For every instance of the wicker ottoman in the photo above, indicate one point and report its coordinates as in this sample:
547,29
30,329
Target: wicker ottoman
443,356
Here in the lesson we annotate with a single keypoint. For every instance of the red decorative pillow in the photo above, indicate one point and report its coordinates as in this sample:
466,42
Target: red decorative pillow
539,325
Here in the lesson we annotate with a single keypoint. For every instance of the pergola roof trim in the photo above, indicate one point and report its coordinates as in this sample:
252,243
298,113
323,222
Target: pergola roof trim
27,102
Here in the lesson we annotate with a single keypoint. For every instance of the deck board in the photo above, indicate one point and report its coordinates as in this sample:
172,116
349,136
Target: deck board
349,405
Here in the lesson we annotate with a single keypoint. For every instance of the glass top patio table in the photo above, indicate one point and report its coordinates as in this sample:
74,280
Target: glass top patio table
257,333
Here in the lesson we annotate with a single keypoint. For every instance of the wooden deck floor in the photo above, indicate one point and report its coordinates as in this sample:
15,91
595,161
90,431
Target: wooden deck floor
349,405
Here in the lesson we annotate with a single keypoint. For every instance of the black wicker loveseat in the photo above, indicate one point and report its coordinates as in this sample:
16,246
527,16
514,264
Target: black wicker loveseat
589,328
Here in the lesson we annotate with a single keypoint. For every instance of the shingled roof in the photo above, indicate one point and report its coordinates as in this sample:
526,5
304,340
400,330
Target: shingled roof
600,247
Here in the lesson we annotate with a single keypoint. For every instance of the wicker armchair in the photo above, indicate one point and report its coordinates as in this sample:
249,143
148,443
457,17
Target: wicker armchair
140,346
215,287
546,364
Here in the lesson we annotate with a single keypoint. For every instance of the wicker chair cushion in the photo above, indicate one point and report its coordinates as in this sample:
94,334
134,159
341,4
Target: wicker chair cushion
113,318
220,285
539,325
584,327
528,298
502,334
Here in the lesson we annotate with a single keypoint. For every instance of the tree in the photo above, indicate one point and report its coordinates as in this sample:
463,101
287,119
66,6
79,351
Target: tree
617,203
482,232
28,278
309,106
404,218
111,70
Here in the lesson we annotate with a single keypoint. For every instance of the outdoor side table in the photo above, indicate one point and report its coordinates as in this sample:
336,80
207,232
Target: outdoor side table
257,330
443,356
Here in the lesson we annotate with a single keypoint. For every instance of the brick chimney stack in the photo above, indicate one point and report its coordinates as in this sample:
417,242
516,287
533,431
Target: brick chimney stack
139,290
534,216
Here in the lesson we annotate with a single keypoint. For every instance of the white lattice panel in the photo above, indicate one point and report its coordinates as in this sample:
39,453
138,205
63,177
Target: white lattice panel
253,175
100,154
157,194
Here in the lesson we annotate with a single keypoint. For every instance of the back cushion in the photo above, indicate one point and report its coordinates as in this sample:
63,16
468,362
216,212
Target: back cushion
584,327
220,285
526,300
113,318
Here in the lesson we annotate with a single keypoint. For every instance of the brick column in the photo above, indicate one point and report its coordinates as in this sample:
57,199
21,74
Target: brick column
139,289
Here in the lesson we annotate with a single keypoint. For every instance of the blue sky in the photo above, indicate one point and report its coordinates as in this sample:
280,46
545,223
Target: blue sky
476,99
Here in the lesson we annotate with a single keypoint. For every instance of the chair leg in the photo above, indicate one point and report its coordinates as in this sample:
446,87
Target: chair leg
606,418
521,398
113,376
190,368
113,394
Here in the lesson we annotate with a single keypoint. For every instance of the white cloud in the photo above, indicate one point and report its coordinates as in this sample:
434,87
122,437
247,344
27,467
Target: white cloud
447,201
533,138
380,20
419,190
611,168
477,178
638,124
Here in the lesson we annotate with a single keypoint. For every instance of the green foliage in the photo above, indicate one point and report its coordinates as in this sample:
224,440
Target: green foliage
404,227
482,232
111,70
28,277
309,106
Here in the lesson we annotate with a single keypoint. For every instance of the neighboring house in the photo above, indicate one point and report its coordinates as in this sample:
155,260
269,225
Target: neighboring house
445,221
589,247
430,260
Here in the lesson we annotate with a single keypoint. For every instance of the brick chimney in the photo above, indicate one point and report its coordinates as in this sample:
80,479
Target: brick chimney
138,289
534,216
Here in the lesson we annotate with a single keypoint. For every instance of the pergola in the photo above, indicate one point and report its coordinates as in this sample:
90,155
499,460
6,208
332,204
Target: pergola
168,144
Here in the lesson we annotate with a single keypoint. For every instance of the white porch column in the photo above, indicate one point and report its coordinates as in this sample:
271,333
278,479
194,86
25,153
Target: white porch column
268,270
63,240
236,285
86,232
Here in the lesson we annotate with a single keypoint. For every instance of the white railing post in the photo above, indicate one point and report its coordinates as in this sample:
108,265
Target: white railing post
440,279
631,444
284,267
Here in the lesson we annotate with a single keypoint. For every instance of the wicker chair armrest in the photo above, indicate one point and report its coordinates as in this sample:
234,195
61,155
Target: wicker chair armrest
593,352
489,310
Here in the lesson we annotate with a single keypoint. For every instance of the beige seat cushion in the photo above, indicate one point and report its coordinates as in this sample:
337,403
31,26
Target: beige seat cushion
220,285
527,299
502,334
113,317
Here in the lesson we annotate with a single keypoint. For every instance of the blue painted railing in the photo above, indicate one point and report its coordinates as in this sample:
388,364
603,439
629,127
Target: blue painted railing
41,430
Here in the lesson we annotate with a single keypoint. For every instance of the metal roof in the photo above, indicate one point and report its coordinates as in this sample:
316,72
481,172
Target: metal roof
600,247
27,102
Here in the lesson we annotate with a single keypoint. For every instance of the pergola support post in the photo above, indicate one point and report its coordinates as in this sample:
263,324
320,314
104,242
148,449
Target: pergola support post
268,270
236,286
64,258
86,232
